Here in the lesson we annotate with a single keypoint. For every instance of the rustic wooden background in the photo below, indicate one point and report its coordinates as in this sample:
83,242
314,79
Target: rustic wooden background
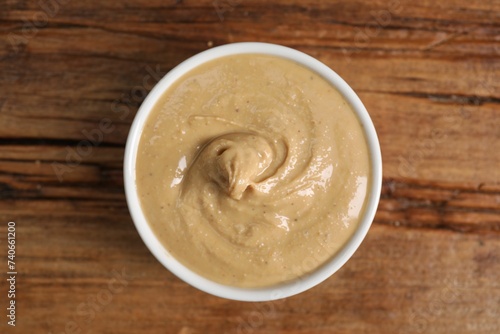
427,71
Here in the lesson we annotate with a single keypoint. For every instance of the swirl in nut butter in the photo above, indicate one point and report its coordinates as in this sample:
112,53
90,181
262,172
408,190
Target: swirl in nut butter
252,170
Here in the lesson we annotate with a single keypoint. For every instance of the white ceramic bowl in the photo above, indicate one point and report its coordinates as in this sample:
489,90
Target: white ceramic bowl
281,290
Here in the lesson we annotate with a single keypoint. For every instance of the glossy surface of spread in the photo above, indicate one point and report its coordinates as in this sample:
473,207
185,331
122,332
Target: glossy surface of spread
252,170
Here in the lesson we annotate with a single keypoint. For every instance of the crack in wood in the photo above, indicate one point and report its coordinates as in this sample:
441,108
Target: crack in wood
456,207
52,142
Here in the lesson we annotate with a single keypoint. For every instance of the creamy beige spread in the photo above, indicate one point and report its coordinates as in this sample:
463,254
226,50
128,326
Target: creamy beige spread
252,170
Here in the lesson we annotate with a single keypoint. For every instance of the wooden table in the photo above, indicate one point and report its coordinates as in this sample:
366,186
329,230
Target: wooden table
427,71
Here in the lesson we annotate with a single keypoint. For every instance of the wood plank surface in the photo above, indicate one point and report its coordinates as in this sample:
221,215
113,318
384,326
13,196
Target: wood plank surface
428,73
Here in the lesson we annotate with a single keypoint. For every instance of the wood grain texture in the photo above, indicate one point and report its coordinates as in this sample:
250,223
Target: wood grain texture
427,71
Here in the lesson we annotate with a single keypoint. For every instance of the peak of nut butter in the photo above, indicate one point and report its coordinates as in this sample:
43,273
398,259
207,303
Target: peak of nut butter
252,170
236,162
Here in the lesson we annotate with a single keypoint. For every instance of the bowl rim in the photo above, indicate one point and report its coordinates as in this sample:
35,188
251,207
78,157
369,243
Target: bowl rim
281,290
